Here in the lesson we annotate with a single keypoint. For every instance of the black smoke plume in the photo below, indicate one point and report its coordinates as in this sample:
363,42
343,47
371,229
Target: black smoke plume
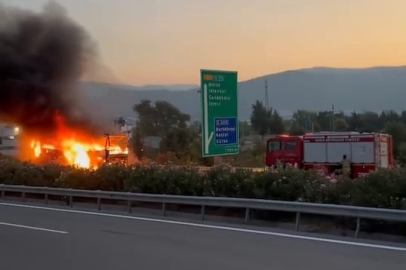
42,56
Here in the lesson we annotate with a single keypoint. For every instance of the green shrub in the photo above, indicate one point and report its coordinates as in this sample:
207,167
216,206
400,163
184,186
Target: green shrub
384,188
8,168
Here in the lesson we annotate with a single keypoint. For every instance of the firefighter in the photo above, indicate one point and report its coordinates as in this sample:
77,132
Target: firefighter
346,166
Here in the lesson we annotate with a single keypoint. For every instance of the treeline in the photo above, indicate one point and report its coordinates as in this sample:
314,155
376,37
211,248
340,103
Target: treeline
265,121
163,133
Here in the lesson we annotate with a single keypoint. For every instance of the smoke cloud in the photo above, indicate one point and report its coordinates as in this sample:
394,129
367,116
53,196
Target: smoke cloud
42,56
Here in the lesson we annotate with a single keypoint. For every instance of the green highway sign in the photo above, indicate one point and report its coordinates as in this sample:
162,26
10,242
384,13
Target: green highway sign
219,101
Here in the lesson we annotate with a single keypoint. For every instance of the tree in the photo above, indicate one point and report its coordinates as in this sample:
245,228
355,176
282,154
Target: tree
371,122
260,118
403,117
354,121
340,124
168,116
296,129
137,143
195,128
157,119
277,125
401,155
177,141
389,116
195,154
145,122
323,121
305,119
398,132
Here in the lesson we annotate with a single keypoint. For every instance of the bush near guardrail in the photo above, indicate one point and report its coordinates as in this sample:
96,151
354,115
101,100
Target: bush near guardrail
385,188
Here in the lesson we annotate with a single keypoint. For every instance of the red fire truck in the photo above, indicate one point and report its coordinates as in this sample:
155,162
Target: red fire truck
325,150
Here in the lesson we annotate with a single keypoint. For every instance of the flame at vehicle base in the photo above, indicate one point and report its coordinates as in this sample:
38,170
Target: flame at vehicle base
74,147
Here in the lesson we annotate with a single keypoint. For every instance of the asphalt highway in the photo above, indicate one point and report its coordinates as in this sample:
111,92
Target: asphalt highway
53,238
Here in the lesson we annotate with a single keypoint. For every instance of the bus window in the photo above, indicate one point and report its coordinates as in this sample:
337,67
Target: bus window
290,146
274,145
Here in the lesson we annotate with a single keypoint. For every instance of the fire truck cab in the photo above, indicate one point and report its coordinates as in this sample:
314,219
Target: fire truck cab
366,152
284,149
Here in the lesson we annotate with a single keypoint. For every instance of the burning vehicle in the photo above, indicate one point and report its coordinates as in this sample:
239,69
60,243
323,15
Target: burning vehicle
76,149
84,155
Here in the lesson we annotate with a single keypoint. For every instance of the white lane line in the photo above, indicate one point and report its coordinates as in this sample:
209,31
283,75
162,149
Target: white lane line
31,228
285,235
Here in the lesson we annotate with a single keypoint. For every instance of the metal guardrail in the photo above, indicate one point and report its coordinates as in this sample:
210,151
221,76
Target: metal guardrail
247,204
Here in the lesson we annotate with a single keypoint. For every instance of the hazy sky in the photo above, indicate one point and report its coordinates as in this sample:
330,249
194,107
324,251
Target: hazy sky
169,41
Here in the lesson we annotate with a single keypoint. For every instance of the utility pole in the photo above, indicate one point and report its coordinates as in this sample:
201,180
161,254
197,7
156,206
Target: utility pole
266,96
332,118
267,108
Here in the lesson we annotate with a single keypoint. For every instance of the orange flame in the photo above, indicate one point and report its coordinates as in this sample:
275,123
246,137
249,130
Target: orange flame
36,146
76,154
75,147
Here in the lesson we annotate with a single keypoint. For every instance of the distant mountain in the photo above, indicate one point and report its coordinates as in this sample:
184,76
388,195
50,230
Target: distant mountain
374,89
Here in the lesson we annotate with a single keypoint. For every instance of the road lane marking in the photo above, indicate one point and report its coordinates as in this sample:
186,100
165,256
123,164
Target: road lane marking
31,228
190,224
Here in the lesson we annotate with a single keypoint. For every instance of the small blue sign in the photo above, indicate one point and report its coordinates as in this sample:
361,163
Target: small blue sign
225,129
